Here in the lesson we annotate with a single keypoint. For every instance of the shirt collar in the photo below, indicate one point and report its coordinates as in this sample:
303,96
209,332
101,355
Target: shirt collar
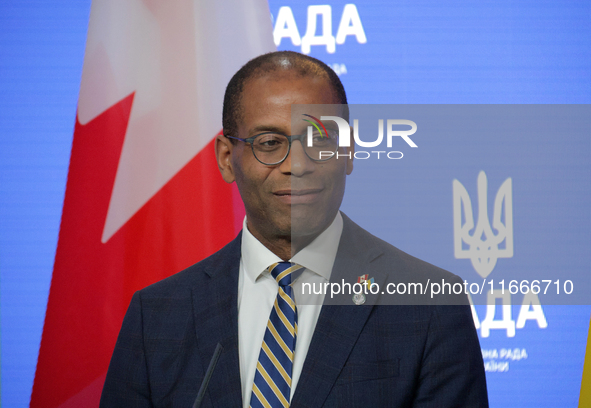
317,257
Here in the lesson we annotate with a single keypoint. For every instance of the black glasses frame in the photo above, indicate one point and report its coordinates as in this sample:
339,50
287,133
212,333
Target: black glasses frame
290,140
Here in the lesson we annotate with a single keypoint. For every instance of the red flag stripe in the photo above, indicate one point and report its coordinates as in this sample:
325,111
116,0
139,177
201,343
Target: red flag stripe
191,217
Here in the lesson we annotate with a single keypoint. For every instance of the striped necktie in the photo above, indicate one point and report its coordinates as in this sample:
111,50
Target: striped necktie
272,380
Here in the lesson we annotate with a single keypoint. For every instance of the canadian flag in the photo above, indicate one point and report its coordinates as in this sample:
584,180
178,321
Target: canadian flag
144,198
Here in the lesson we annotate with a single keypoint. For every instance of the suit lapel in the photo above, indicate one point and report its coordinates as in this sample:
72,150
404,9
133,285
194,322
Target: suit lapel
215,310
339,324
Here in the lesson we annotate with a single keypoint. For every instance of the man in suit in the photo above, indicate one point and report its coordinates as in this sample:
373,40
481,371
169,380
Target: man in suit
279,347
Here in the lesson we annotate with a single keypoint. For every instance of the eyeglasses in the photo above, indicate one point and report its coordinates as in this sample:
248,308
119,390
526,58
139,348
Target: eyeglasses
272,148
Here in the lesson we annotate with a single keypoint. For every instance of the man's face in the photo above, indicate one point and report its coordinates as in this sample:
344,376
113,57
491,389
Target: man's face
298,198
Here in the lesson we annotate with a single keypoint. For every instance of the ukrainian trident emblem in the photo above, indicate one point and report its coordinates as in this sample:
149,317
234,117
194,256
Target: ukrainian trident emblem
484,246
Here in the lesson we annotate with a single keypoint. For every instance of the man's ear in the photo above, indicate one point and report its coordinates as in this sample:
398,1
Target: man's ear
351,150
223,155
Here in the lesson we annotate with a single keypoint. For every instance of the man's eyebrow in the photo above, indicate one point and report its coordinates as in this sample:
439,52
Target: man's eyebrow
277,129
330,125
266,128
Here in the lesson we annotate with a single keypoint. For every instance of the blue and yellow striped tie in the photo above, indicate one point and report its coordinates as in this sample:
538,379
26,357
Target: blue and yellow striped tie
272,380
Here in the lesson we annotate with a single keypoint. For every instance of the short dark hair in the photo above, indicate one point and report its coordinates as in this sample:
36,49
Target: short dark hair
264,64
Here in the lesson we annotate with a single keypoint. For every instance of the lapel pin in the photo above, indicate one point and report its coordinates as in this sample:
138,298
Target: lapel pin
366,280
359,298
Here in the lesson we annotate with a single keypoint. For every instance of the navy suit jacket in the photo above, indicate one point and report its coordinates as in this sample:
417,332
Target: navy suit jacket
359,356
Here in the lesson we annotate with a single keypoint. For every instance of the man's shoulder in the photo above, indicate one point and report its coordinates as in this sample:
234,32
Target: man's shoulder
196,275
402,263
413,267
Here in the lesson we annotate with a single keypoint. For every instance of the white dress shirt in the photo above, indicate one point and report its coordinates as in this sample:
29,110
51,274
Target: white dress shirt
257,291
